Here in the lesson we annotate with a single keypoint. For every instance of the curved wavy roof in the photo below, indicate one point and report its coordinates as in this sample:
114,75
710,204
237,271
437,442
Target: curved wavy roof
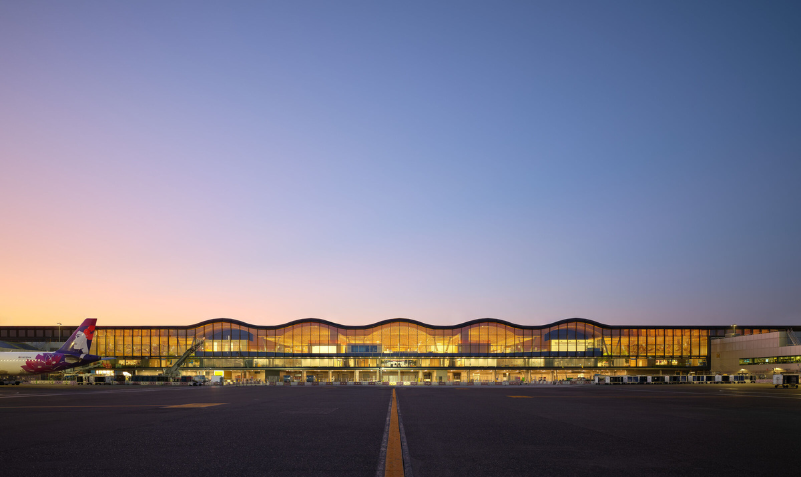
437,327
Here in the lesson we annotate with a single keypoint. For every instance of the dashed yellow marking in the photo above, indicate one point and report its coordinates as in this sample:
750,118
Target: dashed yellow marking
196,404
394,463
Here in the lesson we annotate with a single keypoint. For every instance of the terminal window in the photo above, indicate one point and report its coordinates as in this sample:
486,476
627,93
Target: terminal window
364,348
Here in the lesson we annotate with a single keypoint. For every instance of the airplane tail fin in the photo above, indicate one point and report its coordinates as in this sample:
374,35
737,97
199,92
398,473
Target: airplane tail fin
81,340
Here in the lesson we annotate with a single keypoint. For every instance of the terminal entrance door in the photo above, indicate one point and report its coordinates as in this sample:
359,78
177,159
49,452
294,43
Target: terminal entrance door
343,375
408,376
391,376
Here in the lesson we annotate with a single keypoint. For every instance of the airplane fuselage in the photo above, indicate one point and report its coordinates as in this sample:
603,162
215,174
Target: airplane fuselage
38,362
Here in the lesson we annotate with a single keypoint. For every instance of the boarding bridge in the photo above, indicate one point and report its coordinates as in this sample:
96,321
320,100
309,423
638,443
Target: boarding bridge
173,371
793,338
84,369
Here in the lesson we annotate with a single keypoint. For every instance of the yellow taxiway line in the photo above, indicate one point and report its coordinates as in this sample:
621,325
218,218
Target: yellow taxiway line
394,462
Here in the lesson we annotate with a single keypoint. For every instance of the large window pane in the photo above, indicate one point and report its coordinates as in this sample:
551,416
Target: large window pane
119,344
173,342
127,342
624,342
660,343
164,346
99,342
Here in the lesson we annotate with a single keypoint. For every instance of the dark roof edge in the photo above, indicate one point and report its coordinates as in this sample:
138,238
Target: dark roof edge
437,327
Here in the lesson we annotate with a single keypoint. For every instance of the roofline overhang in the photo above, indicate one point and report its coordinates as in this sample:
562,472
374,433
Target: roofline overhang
436,327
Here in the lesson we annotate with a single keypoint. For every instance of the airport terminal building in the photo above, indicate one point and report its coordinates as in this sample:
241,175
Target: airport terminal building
407,350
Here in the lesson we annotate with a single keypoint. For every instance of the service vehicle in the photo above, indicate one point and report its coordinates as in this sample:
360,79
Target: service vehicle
677,379
785,380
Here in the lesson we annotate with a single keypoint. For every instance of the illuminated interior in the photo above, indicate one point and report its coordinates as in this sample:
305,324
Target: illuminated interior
480,349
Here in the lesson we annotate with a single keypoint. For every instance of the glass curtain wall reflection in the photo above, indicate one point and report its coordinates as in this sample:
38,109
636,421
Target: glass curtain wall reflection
404,343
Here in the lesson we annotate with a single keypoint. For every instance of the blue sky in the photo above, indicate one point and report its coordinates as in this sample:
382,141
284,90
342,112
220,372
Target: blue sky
627,162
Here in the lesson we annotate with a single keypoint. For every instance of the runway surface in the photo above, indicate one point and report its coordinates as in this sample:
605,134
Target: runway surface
446,431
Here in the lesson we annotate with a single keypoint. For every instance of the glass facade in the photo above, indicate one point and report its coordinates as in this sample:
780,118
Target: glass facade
771,360
475,347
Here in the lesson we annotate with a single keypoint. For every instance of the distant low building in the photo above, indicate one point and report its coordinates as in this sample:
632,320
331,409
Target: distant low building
762,354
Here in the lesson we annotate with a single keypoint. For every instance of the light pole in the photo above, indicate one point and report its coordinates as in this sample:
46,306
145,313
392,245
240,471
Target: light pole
59,333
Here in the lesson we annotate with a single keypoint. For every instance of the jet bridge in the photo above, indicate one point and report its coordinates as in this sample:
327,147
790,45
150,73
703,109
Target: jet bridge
172,371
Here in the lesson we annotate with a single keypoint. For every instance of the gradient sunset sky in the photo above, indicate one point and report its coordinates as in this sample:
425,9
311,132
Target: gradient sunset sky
164,163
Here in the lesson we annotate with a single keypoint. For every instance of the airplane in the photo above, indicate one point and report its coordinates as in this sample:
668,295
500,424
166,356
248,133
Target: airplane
74,352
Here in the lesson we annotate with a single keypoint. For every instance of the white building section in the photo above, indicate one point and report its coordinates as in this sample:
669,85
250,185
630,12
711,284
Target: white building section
768,354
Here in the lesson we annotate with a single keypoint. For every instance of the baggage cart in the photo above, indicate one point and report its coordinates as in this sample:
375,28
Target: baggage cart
785,380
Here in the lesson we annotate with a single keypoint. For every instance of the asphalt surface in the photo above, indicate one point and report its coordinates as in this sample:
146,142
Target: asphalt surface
129,430
496,430
693,430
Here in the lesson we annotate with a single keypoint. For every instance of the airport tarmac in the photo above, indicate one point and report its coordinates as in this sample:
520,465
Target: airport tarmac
447,431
